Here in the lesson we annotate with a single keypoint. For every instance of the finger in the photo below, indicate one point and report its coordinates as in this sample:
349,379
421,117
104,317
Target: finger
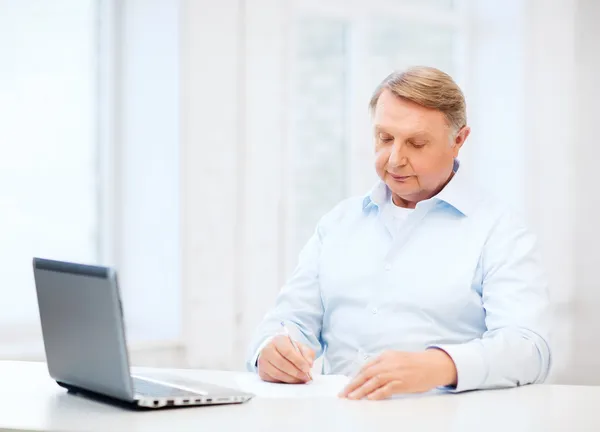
286,366
357,382
287,350
307,353
370,386
266,367
385,391
266,377
375,367
362,378
263,367
371,363
281,376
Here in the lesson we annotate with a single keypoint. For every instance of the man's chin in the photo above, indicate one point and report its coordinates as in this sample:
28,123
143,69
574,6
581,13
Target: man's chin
401,190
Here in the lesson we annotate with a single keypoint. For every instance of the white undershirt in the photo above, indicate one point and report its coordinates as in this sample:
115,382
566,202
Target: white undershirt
398,215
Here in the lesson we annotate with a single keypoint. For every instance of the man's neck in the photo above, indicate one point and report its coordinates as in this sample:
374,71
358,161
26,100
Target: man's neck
411,203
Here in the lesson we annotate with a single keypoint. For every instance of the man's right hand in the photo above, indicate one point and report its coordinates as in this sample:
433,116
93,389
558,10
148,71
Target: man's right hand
280,362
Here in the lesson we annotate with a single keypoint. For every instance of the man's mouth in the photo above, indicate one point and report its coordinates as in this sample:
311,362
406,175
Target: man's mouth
398,177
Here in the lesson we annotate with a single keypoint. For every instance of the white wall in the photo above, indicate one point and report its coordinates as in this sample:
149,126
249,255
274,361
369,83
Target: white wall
563,63
212,153
263,186
549,102
586,211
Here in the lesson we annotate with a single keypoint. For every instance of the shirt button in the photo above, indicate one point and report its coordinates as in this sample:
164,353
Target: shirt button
388,266
374,311
366,356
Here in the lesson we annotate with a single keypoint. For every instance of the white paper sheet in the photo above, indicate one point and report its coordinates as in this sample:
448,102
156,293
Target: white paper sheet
321,386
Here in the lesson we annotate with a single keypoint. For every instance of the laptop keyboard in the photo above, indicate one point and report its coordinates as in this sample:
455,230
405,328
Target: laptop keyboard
151,389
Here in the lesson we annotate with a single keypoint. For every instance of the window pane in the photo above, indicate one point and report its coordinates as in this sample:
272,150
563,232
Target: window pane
319,151
396,44
48,204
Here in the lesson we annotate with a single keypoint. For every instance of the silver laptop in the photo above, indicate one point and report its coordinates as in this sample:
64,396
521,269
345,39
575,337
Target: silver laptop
84,338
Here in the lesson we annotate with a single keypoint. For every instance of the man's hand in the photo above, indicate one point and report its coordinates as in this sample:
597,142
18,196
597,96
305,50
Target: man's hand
402,372
280,362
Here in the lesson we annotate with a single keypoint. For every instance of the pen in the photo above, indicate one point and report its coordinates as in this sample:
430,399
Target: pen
287,333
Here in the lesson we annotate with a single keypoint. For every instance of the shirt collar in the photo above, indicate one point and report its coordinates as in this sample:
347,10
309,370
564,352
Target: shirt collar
377,196
455,193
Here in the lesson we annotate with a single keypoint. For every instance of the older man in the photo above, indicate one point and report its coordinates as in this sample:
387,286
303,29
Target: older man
422,283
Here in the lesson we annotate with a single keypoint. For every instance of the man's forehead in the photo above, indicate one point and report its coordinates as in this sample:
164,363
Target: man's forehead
393,112
409,124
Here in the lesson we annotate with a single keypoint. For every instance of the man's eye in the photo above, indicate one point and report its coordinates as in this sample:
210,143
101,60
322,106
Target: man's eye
385,138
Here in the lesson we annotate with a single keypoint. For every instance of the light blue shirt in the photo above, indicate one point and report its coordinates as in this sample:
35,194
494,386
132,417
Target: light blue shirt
459,273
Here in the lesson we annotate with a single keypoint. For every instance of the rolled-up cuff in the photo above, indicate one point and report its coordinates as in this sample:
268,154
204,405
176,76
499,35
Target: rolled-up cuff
471,368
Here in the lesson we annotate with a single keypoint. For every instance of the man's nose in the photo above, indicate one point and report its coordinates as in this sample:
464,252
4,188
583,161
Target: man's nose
398,155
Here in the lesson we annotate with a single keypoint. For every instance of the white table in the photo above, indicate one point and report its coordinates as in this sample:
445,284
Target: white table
30,400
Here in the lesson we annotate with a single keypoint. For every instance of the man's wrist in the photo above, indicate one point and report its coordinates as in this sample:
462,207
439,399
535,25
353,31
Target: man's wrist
443,367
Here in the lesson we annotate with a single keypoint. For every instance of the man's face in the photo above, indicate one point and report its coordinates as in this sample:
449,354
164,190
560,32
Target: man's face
415,148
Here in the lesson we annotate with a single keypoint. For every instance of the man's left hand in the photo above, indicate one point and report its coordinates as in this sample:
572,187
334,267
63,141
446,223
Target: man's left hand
402,372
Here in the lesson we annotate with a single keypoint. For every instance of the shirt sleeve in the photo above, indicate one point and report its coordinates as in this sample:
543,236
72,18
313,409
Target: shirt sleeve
298,304
515,349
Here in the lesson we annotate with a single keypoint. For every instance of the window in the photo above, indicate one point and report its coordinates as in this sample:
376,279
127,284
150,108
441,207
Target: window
90,158
319,136
396,43
48,165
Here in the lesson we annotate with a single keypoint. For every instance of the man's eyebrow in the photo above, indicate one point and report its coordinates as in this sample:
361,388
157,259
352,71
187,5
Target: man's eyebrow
422,134
418,134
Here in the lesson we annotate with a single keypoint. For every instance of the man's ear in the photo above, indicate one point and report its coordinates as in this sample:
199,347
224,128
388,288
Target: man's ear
460,139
